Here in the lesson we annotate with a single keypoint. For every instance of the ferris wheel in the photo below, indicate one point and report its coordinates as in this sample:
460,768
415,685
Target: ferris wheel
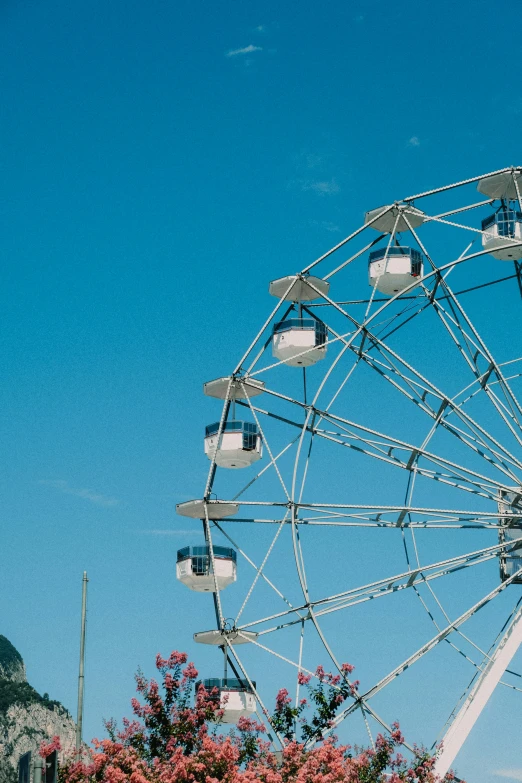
369,447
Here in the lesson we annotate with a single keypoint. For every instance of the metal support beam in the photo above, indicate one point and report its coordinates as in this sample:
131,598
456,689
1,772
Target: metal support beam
479,695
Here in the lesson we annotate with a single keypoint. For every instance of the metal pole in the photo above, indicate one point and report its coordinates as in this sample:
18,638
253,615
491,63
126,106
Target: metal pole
81,676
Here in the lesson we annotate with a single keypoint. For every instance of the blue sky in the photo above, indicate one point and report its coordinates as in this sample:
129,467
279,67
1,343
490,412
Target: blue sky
161,163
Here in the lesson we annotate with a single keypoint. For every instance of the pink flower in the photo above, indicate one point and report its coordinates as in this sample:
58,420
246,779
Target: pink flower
282,699
190,672
250,725
47,748
303,679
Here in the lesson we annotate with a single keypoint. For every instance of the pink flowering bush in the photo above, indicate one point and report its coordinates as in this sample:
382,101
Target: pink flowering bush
174,738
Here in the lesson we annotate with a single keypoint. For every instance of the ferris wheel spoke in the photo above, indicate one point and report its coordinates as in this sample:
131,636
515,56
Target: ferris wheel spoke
437,639
474,388
467,208
482,349
484,489
265,441
419,390
354,257
261,568
360,521
296,664
411,578
307,464
385,448
367,725
259,335
454,185
344,241
254,566
417,305
422,651
430,589
378,515
391,450
267,342
386,586
298,556
444,400
419,393
316,421
482,375
439,279
358,699
266,467
412,297
485,655
300,668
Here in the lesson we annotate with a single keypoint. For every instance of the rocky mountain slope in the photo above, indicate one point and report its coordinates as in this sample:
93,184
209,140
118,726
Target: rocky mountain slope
26,718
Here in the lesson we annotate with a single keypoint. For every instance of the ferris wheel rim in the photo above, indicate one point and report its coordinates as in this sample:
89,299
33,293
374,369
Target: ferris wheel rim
294,497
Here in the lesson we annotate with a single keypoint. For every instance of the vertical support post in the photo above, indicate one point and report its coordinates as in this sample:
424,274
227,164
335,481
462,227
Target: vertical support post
37,769
81,673
479,695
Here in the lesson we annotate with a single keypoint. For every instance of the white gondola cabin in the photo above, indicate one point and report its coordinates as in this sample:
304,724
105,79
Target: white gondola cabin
194,568
501,229
299,342
238,446
236,697
394,269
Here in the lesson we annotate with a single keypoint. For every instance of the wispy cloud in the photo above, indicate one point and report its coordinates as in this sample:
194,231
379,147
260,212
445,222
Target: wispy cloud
311,161
245,50
86,494
324,187
328,225
261,28
414,141
511,774
315,170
